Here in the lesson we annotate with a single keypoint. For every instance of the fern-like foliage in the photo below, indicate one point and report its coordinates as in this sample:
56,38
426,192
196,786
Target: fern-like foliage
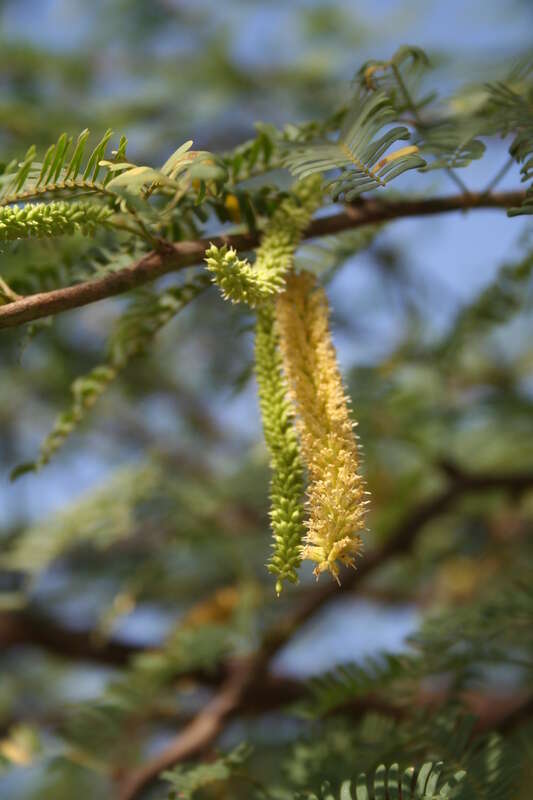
474,634
96,728
86,391
101,518
425,783
146,315
174,178
489,767
458,642
452,142
399,78
133,333
39,265
187,781
65,168
454,145
265,152
513,113
346,683
359,152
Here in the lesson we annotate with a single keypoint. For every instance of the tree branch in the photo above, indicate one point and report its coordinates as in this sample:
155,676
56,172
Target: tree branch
19,628
204,728
171,257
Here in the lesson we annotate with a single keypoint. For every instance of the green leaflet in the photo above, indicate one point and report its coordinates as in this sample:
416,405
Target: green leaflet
146,315
424,784
101,518
64,169
512,113
135,329
398,78
51,219
242,282
286,488
189,780
86,390
359,152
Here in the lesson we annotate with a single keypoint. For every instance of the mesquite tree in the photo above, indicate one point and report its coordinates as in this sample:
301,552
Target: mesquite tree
405,481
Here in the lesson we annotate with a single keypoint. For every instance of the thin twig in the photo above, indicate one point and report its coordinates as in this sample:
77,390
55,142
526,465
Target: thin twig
204,728
458,182
502,172
420,122
7,294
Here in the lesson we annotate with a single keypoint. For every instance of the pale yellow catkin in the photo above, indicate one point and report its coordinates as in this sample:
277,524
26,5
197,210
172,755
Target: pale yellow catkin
336,492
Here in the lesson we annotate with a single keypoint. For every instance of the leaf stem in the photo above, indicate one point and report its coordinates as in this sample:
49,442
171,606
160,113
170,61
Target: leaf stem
498,177
416,114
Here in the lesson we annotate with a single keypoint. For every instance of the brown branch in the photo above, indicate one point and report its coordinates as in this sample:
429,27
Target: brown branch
246,678
518,715
19,628
204,728
173,257
493,711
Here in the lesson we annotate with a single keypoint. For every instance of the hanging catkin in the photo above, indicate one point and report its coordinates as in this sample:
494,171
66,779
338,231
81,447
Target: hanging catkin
336,495
256,284
286,486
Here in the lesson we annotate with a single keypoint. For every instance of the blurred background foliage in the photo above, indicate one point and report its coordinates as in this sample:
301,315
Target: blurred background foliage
151,525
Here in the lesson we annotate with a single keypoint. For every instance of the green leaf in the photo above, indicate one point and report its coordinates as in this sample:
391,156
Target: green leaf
360,151
391,784
189,780
59,172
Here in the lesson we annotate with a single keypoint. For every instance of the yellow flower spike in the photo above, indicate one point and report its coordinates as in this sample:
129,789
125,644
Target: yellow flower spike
336,493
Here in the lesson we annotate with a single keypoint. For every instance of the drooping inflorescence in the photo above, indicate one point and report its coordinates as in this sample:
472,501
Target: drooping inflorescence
256,284
287,484
336,496
295,358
